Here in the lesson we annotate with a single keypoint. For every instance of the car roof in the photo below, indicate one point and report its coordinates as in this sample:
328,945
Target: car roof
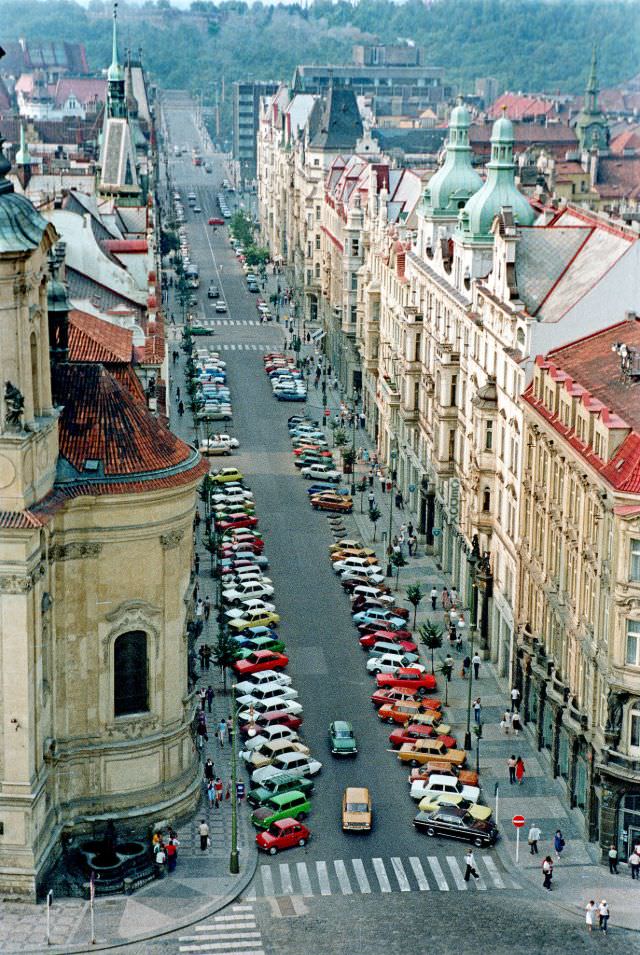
341,725
285,823
357,793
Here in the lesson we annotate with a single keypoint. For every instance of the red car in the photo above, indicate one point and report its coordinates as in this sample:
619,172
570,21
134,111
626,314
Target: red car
243,536
236,521
260,660
284,834
216,221
365,628
409,679
393,695
370,639
414,731
279,718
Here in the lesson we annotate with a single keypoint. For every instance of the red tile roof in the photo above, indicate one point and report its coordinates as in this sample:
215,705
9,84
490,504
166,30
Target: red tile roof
518,106
19,520
129,246
93,339
102,422
85,90
630,139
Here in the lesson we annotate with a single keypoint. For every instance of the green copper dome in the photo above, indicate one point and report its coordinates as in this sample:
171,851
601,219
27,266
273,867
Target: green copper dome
499,189
21,225
449,188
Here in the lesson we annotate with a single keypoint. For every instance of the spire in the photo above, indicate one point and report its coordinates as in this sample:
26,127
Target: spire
115,70
116,105
591,93
22,156
591,125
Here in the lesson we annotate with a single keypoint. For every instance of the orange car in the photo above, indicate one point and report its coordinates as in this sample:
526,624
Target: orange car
468,777
332,502
430,751
365,552
411,711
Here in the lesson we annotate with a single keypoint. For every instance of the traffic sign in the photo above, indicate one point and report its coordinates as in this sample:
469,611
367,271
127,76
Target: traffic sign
412,488
436,532
518,821
327,413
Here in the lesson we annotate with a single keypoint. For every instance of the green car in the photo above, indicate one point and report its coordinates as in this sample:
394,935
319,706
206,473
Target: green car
259,643
291,805
200,330
342,739
281,783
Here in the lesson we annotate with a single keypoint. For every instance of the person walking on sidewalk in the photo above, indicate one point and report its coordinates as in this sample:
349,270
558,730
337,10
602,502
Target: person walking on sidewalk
520,770
466,666
219,790
203,832
515,699
532,839
603,915
634,863
477,710
447,667
516,725
210,695
613,860
434,598
589,914
511,766
446,600
470,868
505,722
558,843
203,698
209,773
476,660
547,872
222,731
207,608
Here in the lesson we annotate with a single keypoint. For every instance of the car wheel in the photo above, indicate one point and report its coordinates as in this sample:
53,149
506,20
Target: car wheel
273,850
302,816
376,672
391,720
302,842
430,831
414,762
478,842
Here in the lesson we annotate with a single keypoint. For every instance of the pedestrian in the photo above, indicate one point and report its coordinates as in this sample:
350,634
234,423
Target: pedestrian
466,665
453,637
434,597
218,789
230,728
477,710
207,607
211,793
172,856
410,545
515,699
372,500
199,608
547,871
180,408
413,545
505,722
222,731
603,915
160,859
446,600
476,660
454,595
401,542
410,529
520,770
371,477
461,627
203,831
558,843
613,860
196,563
470,869
202,735
447,667
399,501
209,773
634,862
511,765
454,615
516,725
589,911
196,520
201,655
178,392
210,695
532,839
203,698
207,656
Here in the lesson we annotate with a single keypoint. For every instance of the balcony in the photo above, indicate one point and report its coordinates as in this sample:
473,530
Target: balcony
390,391
410,415
618,764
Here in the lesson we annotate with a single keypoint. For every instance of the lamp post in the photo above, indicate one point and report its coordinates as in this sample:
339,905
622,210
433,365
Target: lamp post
234,859
392,458
472,560
353,445
478,731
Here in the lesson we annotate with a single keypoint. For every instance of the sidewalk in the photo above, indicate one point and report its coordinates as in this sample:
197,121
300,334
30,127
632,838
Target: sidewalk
579,876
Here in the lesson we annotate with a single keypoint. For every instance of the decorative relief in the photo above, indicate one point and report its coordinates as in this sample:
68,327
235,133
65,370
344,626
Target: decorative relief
76,550
14,584
172,539
133,728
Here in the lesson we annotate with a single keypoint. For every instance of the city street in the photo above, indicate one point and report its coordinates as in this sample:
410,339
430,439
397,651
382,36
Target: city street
342,892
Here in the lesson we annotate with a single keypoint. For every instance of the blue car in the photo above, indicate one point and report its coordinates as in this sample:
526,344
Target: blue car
325,486
291,396
379,616
252,632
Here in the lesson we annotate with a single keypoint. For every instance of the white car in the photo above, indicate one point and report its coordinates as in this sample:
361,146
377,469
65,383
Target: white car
321,472
221,306
262,678
264,756
269,734
249,588
359,564
249,605
390,662
244,575
225,439
387,646
280,704
427,787
372,593
232,493
297,763
373,574
208,447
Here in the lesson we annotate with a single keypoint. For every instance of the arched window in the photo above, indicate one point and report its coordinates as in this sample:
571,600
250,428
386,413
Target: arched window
130,674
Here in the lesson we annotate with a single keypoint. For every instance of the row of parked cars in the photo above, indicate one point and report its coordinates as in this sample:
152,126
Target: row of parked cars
447,793
223,205
269,714
287,381
314,459
213,393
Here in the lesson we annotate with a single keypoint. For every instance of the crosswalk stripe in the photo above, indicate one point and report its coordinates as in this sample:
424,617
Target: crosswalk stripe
242,908
481,885
304,880
493,872
456,872
220,936
323,878
400,874
217,946
361,876
249,922
285,879
418,871
381,875
343,878
267,880
438,873
250,894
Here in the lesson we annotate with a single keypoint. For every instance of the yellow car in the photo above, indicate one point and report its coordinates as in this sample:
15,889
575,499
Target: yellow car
254,618
344,545
345,552
430,751
357,814
227,474
437,800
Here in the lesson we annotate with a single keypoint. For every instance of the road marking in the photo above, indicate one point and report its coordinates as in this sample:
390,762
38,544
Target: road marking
285,879
493,872
323,878
418,871
226,946
438,873
400,874
481,885
381,875
227,928
267,880
221,936
361,876
343,878
456,872
305,881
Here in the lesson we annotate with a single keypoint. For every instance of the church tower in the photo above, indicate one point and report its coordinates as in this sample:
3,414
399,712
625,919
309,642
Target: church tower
591,126
118,170
116,99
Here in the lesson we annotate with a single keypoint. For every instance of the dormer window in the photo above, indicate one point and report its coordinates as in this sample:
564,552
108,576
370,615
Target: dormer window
599,446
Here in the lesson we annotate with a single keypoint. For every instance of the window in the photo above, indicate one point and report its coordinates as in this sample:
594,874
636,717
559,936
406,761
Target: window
453,386
355,247
354,281
634,729
354,314
130,674
317,270
452,445
486,500
488,436
634,568
318,242
633,643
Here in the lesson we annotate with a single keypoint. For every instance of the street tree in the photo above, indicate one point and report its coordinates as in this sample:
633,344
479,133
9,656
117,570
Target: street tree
398,561
361,487
374,516
224,653
431,638
415,594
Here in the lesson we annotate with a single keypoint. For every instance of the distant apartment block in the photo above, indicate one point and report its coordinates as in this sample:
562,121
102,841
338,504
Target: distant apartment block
246,105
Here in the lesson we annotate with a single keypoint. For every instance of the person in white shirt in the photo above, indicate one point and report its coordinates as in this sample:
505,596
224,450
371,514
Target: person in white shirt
532,839
470,869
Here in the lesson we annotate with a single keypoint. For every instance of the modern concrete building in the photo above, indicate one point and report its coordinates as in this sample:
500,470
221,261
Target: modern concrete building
246,115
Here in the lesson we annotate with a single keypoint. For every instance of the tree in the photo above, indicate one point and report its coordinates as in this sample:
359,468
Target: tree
211,545
431,638
348,460
339,436
374,516
224,652
361,487
398,561
415,594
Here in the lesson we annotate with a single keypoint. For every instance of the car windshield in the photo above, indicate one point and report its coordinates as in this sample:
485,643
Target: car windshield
343,734
357,807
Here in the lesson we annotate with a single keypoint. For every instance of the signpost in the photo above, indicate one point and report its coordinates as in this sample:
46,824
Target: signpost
518,822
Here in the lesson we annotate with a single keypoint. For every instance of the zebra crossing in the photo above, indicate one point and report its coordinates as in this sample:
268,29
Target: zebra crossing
221,322
376,876
244,346
234,932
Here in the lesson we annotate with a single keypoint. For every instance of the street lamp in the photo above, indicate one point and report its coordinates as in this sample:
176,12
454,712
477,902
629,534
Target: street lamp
478,731
234,859
472,560
353,445
392,458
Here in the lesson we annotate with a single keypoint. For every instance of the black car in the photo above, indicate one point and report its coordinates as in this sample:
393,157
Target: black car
455,823
213,292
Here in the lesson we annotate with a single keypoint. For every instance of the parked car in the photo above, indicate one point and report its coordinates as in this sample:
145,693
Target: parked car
413,731
289,805
321,472
357,814
284,834
430,751
280,783
390,663
438,783
454,823
261,660
409,678
342,739
289,762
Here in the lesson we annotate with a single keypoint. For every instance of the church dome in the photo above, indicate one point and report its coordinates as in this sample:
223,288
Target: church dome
449,188
21,225
499,189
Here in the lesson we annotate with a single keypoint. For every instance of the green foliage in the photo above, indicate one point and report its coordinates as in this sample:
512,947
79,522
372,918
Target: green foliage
415,595
224,653
339,437
241,228
169,242
431,638
374,516
255,255
398,561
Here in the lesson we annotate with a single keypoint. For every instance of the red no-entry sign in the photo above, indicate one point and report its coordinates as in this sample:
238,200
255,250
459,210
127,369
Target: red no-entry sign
326,412
518,821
